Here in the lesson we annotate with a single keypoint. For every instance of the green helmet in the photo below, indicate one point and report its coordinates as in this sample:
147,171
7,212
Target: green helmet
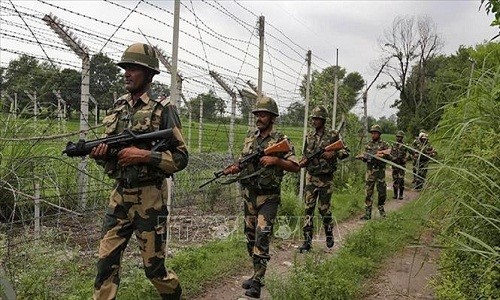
400,133
266,104
376,128
319,112
140,54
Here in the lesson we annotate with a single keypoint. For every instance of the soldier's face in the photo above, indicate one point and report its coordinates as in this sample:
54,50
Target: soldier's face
136,78
263,120
399,139
375,135
318,122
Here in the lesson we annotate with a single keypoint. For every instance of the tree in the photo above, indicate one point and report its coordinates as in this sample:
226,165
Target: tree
408,46
322,89
105,79
213,106
493,6
160,89
294,114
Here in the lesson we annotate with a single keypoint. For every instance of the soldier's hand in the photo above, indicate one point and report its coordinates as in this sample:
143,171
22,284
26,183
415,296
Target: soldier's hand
99,152
268,160
232,169
132,156
328,155
303,162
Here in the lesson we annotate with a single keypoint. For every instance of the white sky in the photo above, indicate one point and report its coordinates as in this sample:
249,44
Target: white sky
218,39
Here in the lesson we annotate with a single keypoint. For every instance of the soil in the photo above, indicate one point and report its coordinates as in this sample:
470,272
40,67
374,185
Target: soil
391,283
407,274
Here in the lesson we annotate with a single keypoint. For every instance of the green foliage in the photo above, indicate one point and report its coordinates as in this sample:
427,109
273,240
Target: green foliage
342,276
469,175
492,6
213,106
322,89
104,80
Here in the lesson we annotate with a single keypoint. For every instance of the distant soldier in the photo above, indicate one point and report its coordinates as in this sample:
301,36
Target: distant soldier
319,180
375,171
414,146
399,153
424,152
261,189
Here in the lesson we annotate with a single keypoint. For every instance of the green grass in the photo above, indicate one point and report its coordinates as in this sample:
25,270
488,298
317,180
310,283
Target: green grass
342,276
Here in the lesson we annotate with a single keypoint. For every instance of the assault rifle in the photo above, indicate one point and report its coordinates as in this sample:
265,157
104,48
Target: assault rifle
126,138
335,146
368,157
281,147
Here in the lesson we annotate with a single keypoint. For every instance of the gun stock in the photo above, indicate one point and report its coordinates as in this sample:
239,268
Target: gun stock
281,147
335,146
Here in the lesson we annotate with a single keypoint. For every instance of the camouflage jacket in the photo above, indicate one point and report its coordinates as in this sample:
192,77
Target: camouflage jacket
399,153
315,142
424,151
146,115
371,149
254,175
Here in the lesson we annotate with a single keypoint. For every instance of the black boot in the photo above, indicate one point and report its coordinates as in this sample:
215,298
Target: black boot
254,290
174,296
368,213
401,189
307,245
247,283
381,210
329,235
395,189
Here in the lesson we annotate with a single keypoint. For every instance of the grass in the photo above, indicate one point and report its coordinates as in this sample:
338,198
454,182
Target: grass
342,276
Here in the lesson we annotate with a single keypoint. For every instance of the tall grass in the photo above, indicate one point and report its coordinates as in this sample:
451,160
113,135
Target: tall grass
470,177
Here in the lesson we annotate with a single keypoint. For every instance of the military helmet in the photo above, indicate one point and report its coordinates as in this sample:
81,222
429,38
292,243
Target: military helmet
266,104
376,128
400,133
319,112
140,54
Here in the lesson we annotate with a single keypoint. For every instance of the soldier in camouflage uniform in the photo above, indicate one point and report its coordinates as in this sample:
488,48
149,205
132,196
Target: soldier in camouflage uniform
399,153
319,179
414,146
261,187
138,203
375,171
421,156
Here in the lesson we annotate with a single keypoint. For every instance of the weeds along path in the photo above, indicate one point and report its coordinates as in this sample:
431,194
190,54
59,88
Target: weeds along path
407,274
284,254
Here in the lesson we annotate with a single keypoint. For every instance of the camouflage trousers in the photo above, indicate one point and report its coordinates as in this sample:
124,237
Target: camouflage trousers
398,178
317,189
375,177
141,211
260,214
421,174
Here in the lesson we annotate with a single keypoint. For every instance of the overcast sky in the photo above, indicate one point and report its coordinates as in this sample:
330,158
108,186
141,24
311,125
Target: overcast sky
221,36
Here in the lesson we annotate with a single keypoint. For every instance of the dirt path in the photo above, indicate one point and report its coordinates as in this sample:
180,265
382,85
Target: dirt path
282,255
407,274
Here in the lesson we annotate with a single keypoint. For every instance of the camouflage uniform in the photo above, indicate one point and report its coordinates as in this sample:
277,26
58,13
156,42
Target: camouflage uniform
399,153
421,158
319,182
260,189
375,175
138,203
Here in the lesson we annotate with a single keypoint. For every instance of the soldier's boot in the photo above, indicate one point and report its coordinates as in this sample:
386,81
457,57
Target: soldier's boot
254,290
175,296
307,245
381,210
368,213
401,189
247,283
395,189
329,235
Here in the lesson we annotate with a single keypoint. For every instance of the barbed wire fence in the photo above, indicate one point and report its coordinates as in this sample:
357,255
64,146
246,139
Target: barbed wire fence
39,191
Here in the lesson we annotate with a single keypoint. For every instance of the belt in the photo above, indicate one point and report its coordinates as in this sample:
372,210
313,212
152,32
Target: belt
138,183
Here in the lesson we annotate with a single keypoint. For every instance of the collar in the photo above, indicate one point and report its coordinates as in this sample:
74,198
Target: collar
145,98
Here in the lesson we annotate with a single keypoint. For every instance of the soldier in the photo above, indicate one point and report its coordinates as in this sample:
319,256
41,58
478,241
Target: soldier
415,145
319,180
421,156
399,153
375,171
261,187
137,204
